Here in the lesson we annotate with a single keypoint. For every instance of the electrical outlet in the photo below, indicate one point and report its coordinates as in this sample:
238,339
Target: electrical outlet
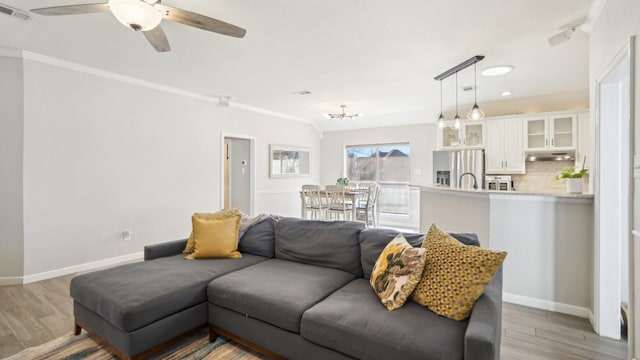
126,235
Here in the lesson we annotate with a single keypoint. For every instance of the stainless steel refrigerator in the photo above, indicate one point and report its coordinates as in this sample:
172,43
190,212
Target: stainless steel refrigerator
450,165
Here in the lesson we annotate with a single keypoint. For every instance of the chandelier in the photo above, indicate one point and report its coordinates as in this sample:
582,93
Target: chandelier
342,115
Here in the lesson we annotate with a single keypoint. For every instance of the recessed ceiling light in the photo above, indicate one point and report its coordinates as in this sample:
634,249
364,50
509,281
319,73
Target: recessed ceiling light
497,70
506,93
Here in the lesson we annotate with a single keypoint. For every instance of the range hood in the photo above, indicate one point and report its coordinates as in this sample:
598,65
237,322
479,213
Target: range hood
550,155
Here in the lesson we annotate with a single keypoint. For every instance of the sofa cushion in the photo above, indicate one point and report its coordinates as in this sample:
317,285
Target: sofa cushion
373,241
133,295
259,239
332,244
455,274
276,291
352,322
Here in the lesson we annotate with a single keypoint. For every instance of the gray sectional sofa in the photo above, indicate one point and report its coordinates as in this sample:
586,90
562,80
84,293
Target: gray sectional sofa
300,291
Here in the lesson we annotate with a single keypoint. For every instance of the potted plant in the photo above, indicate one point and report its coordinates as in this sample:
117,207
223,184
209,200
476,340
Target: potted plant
574,179
342,181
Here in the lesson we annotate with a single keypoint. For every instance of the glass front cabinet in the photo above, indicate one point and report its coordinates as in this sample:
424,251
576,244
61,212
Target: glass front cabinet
550,133
470,135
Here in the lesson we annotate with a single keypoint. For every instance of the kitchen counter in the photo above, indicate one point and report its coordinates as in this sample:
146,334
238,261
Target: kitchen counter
548,238
437,188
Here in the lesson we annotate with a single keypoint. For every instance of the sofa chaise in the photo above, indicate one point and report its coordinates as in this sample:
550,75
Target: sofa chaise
300,291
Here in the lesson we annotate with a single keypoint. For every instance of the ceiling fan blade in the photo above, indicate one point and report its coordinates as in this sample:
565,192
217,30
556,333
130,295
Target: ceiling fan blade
200,21
157,39
72,9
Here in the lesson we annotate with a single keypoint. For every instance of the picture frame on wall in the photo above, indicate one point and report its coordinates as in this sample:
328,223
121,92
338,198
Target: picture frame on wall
289,161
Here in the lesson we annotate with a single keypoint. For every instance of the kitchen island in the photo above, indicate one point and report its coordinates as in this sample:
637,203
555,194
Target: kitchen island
548,236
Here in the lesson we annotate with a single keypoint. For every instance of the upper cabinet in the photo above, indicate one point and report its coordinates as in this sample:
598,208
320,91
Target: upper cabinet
583,151
554,132
504,151
470,135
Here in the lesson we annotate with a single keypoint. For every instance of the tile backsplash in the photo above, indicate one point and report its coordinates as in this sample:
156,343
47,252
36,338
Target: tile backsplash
540,177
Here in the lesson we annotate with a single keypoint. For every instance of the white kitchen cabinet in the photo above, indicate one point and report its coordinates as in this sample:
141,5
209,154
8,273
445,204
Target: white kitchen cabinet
584,141
504,151
469,136
553,132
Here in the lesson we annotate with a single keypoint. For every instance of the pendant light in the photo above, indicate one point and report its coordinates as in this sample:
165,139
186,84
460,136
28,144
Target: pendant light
441,117
476,113
457,117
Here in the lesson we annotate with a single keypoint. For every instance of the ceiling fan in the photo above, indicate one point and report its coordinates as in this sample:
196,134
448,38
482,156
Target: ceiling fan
145,16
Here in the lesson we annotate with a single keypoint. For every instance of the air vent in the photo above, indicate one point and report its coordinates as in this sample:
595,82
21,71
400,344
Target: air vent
467,88
18,14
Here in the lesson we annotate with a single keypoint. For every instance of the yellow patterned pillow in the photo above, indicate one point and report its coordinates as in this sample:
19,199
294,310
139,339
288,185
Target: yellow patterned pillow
215,238
455,275
397,272
222,214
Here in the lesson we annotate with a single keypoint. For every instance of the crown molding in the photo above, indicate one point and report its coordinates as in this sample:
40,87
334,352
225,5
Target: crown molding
273,113
11,53
594,13
44,59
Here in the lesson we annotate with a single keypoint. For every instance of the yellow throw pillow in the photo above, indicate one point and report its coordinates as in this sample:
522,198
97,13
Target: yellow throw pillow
222,214
215,238
455,275
397,272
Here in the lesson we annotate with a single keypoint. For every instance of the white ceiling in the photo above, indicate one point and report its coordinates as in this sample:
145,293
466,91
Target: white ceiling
377,57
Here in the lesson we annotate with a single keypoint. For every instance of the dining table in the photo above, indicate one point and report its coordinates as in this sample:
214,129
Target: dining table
349,194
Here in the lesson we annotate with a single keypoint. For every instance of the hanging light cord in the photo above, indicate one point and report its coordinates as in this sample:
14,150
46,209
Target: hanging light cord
475,84
440,97
457,94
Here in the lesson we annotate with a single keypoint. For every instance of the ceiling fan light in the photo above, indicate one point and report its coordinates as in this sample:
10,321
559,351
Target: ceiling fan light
475,113
135,14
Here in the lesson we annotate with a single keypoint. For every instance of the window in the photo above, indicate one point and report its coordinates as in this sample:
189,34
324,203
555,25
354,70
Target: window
387,165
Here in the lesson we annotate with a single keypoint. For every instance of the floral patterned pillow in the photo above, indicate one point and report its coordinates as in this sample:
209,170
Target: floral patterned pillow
397,272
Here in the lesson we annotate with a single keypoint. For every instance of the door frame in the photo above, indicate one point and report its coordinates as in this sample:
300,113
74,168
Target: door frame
607,271
252,167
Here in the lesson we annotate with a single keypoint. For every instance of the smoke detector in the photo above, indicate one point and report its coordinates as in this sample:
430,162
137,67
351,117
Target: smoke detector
15,13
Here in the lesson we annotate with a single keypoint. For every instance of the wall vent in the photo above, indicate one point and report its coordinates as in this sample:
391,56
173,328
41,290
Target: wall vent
18,14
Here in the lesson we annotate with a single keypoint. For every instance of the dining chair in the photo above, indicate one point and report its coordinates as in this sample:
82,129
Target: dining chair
336,203
313,203
366,206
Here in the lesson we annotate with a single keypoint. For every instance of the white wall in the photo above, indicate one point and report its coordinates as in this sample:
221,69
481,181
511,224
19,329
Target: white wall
102,155
11,135
421,138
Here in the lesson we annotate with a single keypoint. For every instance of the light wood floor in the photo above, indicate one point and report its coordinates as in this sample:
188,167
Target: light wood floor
36,313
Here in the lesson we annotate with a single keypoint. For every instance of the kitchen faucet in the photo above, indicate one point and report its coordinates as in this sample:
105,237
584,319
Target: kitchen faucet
475,181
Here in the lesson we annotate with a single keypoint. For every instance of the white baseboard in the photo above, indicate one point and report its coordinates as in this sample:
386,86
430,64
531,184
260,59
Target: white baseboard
79,268
592,320
10,280
547,305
